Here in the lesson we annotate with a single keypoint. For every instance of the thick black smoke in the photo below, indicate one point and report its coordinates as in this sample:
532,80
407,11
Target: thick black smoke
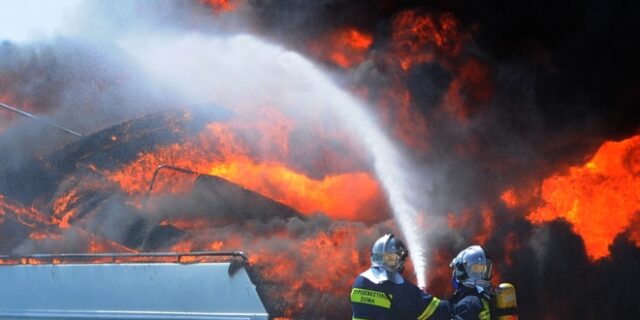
563,78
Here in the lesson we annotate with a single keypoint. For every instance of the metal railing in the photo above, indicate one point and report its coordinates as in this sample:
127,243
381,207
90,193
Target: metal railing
119,257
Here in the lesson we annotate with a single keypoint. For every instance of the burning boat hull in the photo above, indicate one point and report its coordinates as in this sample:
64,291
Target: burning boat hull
147,290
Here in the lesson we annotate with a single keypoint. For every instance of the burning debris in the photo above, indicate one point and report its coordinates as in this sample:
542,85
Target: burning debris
605,190
519,125
91,211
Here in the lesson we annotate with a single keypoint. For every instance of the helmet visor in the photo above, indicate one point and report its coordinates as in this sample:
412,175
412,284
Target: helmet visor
482,269
478,268
394,261
488,270
391,260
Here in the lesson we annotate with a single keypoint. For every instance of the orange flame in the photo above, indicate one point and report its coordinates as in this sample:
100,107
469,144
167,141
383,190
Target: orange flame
417,38
421,38
410,125
487,225
481,223
509,198
26,216
324,262
221,151
97,245
510,245
340,196
470,90
599,198
63,208
37,235
346,48
221,5
323,258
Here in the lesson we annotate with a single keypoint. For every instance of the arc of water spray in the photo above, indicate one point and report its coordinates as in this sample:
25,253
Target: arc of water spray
390,169
300,85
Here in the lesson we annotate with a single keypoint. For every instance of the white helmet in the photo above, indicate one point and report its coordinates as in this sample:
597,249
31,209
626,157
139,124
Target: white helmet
472,268
389,253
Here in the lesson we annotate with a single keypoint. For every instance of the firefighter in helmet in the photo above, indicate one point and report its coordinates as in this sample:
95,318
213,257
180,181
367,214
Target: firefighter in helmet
382,293
471,280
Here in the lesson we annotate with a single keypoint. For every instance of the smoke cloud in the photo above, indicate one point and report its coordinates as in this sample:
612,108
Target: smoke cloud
513,94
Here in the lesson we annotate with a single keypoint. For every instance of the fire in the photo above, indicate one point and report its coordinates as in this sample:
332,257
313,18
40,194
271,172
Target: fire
346,48
221,150
471,89
411,126
340,196
97,245
487,224
216,245
37,235
326,264
184,246
63,208
600,198
439,273
509,198
221,5
325,249
479,223
635,229
510,245
418,38
306,264
188,224
26,216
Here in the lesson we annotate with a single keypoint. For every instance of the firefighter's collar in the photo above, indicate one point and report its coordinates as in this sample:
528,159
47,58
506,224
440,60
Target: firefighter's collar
479,285
378,275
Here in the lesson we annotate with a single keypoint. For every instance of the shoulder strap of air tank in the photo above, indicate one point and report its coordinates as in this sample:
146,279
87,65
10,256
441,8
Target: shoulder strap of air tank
489,297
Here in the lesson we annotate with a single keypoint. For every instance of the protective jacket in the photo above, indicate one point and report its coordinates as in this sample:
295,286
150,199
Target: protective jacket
469,304
377,294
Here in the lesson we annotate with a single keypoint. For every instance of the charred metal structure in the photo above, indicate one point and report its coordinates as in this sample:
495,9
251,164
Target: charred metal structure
135,282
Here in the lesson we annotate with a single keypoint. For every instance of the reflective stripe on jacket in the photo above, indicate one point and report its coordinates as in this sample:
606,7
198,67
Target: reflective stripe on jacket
468,304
